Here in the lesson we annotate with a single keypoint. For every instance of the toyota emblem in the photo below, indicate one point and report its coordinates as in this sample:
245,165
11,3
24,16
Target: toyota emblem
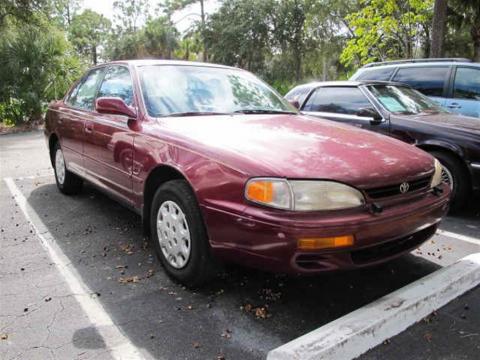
404,187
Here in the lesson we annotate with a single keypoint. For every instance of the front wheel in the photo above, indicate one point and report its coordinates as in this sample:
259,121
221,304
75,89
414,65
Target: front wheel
67,182
179,236
456,177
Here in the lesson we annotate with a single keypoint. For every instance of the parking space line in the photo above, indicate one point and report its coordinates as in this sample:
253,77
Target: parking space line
119,346
459,236
353,334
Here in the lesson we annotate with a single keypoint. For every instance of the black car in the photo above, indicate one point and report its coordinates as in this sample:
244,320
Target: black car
399,111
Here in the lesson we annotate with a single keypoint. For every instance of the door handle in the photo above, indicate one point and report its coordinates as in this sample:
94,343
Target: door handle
454,106
88,128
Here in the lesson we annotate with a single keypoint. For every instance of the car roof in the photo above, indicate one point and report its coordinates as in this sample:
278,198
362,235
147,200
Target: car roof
149,62
419,63
347,83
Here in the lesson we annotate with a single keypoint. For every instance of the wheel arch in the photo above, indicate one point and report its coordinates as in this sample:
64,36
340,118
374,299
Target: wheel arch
52,140
158,176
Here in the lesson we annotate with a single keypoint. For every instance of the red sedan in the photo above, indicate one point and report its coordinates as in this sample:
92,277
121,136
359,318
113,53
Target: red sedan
222,168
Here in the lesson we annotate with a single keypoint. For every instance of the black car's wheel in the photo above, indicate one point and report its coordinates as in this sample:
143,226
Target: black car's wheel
67,182
456,177
178,234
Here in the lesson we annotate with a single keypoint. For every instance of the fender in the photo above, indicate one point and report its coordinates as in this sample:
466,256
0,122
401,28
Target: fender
442,144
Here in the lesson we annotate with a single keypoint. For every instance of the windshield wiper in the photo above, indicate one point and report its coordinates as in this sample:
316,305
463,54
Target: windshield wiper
195,113
263,111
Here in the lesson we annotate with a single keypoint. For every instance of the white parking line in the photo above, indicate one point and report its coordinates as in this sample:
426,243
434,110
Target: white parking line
353,334
459,236
119,346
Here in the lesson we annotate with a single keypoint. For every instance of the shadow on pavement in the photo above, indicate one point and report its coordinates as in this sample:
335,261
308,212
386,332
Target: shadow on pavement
243,314
466,222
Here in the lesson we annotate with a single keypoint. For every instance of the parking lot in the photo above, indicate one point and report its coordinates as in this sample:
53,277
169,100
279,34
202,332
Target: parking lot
134,310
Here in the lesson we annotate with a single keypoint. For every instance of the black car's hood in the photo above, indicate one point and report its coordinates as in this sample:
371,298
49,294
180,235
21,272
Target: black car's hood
448,120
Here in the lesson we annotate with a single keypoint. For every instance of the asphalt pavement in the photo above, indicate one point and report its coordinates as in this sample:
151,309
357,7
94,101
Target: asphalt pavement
242,315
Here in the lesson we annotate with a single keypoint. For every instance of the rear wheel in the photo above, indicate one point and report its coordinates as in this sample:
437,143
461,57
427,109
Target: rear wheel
67,182
179,236
456,177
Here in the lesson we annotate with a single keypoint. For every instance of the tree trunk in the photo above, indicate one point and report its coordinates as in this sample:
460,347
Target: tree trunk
202,12
475,34
94,55
439,26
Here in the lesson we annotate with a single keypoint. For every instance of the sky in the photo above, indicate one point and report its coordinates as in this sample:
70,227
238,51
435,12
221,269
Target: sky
182,19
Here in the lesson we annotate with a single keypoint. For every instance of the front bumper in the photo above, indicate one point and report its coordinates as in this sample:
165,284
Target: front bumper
267,239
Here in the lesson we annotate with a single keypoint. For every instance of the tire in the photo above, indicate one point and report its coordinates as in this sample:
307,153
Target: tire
174,216
461,188
67,182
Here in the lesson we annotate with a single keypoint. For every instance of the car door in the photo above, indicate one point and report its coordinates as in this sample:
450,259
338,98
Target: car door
429,80
109,139
465,95
342,103
72,116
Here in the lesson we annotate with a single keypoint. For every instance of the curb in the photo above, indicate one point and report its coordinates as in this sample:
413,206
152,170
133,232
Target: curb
359,331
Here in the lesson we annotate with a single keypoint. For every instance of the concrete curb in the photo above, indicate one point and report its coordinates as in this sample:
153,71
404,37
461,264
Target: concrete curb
353,334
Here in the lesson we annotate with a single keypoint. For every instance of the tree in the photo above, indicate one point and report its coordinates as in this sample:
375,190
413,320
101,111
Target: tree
439,26
386,29
161,37
466,14
22,10
130,14
87,32
38,65
65,10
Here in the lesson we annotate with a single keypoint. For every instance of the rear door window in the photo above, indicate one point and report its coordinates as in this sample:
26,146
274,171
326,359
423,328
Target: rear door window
467,83
382,74
339,100
428,80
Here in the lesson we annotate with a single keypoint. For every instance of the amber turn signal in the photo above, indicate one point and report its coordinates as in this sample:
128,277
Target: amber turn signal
325,242
261,191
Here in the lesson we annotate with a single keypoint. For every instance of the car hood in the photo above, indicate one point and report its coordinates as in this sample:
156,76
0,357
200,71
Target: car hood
302,147
448,120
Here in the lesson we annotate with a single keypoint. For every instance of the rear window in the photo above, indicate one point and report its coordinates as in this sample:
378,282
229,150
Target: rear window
382,74
428,80
467,83
338,100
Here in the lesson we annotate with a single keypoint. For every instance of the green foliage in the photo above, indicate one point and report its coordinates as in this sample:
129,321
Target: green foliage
386,29
38,65
87,32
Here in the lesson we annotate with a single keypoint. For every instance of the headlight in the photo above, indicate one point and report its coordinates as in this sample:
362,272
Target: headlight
302,195
437,175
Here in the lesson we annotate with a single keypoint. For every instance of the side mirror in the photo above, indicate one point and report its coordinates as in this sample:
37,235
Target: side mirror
376,118
114,105
294,103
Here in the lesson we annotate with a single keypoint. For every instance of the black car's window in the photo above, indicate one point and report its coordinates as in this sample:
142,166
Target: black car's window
117,83
84,94
341,100
404,100
428,80
298,94
376,74
467,83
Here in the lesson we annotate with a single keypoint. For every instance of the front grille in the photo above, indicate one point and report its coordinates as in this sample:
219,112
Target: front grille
392,190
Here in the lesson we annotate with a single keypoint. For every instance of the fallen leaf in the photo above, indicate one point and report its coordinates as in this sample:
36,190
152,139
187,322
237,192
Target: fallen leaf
4,336
196,345
428,337
129,279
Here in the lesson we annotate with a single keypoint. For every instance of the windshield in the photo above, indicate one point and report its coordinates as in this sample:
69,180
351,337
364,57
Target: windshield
181,90
404,100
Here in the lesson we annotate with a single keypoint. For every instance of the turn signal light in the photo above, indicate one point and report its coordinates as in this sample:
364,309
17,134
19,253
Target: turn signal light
325,242
261,191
